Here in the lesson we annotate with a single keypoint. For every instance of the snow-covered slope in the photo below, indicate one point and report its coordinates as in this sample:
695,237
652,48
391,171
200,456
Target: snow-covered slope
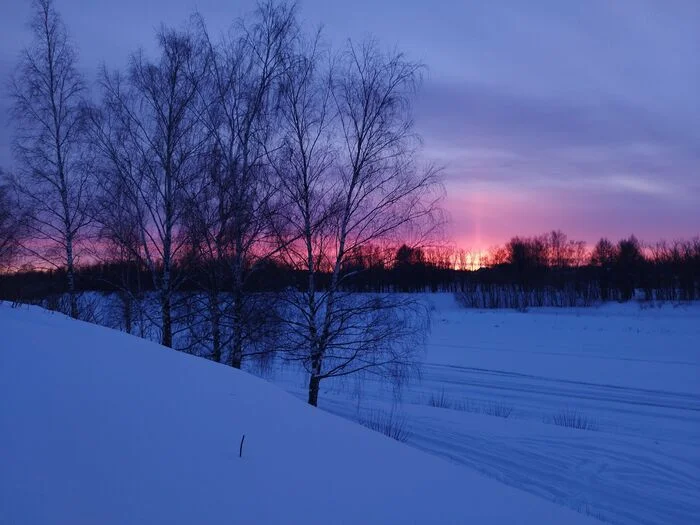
97,426
631,370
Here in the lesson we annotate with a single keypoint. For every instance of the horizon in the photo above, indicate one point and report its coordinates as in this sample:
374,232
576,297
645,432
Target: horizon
460,258
543,119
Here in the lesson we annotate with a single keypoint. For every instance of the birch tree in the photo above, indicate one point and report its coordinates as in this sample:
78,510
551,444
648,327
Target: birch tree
229,214
150,139
348,168
11,225
49,115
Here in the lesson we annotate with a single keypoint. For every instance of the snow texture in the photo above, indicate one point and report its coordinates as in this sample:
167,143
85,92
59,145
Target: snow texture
633,371
97,426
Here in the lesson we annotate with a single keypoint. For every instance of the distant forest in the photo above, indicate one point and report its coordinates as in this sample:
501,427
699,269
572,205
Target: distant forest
545,270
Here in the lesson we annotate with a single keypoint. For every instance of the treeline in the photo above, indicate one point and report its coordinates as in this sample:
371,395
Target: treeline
549,270
545,270
368,269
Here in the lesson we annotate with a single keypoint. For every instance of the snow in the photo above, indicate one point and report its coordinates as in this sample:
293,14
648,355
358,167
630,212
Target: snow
634,372
102,427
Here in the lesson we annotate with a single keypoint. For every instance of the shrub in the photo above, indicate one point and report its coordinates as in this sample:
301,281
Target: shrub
440,400
497,409
574,419
390,424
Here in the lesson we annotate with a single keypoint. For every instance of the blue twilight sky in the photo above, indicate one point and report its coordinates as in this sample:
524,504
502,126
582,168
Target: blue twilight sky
583,116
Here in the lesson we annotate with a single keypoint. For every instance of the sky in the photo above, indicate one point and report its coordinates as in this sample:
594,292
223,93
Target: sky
545,114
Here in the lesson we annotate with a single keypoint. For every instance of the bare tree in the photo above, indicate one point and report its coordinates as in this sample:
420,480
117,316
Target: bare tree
347,166
11,225
558,250
48,110
119,244
149,136
229,214
604,253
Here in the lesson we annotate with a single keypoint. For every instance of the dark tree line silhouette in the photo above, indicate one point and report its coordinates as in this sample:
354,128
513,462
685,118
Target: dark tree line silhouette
543,271
546,270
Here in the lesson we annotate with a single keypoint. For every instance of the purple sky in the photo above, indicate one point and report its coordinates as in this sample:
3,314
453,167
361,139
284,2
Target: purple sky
583,116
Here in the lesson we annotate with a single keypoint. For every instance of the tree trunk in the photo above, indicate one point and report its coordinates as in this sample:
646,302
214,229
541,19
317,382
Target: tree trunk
70,274
237,346
167,339
70,268
128,308
314,383
215,314
236,357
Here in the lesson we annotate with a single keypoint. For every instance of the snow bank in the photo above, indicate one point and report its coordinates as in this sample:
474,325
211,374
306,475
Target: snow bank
97,426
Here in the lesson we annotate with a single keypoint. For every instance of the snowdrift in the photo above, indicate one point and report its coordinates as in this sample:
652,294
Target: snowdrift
99,427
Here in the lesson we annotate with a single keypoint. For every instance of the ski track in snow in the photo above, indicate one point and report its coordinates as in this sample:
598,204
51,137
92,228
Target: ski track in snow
641,465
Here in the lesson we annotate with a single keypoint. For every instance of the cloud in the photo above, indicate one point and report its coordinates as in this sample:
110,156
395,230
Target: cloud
579,115
642,186
468,113
522,164
482,135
